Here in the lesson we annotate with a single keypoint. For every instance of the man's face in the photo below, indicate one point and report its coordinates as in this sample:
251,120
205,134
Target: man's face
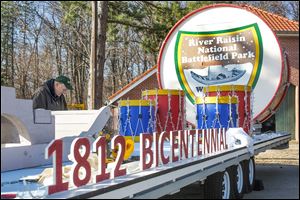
60,88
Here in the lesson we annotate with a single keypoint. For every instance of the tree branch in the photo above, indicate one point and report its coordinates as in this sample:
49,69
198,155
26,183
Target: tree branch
130,24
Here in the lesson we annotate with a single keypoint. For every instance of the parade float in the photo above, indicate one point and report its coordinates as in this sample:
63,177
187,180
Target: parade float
220,68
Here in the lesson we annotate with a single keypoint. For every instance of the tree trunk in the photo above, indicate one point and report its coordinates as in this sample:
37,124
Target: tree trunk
36,57
93,57
23,79
6,58
72,61
102,18
113,69
57,55
145,63
12,55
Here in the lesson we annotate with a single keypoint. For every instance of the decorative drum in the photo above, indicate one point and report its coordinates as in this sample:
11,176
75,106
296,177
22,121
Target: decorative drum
205,48
170,109
136,117
216,112
243,94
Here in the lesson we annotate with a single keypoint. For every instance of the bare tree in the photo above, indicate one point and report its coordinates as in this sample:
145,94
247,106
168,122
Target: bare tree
102,26
294,6
93,56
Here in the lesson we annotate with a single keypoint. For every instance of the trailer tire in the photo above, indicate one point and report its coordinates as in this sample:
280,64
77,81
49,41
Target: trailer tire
237,181
249,175
217,186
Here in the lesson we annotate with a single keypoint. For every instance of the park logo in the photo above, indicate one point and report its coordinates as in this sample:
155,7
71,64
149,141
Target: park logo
232,56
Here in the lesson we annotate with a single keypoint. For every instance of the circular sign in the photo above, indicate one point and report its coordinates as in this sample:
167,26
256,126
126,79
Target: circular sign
222,45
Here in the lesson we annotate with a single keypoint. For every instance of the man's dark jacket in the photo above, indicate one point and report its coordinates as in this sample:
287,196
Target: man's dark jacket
46,98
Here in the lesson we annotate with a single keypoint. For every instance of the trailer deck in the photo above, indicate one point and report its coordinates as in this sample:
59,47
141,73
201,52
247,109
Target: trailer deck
150,183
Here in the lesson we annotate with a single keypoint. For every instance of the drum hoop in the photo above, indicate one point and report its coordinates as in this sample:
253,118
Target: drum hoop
162,92
136,103
226,88
221,100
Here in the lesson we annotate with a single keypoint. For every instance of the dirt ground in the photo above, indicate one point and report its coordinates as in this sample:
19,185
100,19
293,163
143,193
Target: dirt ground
277,168
288,156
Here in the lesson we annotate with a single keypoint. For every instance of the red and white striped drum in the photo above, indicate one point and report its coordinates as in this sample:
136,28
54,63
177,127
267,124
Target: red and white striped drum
170,109
243,94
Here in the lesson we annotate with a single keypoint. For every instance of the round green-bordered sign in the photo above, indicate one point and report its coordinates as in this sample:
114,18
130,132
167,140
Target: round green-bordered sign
222,45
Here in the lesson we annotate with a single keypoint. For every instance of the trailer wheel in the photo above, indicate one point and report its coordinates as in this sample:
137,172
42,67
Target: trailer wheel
237,181
217,186
226,190
249,175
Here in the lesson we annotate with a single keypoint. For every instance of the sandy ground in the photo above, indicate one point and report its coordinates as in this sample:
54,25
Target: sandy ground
277,168
288,156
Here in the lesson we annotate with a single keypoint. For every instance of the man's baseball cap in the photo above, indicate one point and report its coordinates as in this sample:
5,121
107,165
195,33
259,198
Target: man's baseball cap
65,80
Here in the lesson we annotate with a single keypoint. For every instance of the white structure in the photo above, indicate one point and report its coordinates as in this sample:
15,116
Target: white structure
26,132
18,123
83,122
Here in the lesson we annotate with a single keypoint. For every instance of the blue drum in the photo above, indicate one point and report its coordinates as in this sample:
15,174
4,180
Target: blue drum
135,117
216,112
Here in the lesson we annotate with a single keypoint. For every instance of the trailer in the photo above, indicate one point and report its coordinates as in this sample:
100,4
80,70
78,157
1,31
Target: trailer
223,174
224,162
59,154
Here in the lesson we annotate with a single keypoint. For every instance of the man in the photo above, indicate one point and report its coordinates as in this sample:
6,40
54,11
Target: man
51,95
